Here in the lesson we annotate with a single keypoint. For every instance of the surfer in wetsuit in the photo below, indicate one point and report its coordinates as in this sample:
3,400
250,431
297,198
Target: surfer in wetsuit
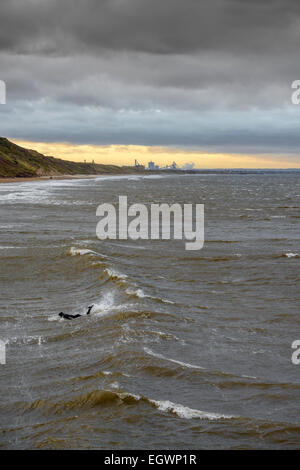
66,316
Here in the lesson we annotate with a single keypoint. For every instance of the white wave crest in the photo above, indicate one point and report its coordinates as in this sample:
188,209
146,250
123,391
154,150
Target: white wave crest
54,317
84,251
183,364
115,274
186,412
107,306
291,255
77,251
180,410
141,295
137,292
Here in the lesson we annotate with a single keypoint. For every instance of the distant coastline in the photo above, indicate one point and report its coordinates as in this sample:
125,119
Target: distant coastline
18,164
162,172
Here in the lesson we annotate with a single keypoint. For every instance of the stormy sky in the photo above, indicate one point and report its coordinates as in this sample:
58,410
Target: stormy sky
212,75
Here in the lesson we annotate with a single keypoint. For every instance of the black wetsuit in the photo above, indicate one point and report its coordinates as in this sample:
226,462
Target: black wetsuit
66,316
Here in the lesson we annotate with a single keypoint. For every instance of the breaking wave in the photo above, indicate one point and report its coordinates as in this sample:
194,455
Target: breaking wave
186,412
102,398
84,251
291,255
115,274
139,293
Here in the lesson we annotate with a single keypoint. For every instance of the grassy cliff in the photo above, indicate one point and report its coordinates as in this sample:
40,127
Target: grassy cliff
17,161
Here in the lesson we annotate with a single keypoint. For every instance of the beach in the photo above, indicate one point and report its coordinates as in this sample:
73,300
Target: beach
45,178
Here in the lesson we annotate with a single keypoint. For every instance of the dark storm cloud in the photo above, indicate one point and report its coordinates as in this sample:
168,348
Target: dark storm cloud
156,26
167,66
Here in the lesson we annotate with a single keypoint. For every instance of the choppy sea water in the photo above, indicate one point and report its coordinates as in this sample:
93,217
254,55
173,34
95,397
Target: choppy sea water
184,349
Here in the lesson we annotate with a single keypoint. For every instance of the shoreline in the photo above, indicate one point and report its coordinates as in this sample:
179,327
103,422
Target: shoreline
45,178
24,179
234,171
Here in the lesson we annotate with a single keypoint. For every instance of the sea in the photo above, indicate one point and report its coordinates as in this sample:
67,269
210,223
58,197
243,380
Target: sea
183,349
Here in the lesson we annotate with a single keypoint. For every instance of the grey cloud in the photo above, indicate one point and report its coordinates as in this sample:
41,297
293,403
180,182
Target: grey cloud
243,132
169,26
214,74
134,81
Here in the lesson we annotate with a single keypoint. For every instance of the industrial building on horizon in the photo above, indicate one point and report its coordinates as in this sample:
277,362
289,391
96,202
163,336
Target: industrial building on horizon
152,166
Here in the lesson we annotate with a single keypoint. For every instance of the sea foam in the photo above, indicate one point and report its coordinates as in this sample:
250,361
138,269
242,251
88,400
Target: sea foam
186,412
